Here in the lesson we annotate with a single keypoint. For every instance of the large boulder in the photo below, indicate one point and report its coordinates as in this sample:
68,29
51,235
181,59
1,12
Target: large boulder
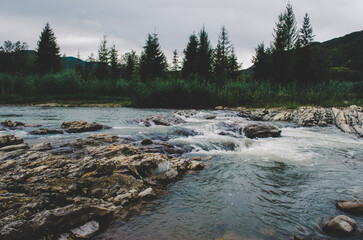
351,206
81,126
340,225
261,131
10,140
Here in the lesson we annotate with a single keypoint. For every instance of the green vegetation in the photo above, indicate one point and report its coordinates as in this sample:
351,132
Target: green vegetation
292,71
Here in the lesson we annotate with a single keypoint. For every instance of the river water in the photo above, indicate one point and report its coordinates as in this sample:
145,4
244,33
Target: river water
251,189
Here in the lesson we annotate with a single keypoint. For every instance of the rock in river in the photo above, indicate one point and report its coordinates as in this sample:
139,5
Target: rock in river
10,140
340,225
351,206
44,131
162,120
81,126
261,131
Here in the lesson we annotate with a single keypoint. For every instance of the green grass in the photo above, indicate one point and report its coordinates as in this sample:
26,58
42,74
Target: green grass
70,88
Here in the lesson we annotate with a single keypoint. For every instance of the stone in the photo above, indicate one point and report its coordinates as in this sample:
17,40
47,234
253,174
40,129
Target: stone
42,147
184,132
87,230
10,140
210,117
147,193
162,120
14,147
196,165
44,131
81,126
354,207
12,124
146,141
261,131
340,225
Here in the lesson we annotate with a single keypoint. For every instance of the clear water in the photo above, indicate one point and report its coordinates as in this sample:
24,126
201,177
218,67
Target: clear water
262,189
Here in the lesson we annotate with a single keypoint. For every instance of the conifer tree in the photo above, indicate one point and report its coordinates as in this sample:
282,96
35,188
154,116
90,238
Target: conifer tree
204,55
285,34
175,62
103,59
152,62
259,62
224,58
78,65
190,56
305,32
130,65
114,62
48,52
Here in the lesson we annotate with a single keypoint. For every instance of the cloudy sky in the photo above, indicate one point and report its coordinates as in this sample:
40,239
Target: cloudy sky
80,24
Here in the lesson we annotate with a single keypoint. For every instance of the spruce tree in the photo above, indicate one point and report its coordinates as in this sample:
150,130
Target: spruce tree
285,34
204,56
259,62
130,65
115,70
190,56
152,62
175,62
306,32
78,65
224,57
103,59
47,52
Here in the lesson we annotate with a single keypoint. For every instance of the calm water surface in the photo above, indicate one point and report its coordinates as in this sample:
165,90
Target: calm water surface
251,189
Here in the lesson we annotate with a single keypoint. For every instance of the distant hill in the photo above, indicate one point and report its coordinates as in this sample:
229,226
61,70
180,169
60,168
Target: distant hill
68,61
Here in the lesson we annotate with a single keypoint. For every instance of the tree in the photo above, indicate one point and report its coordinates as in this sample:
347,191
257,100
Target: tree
115,70
285,34
175,63
204,55
190,56
259,62
47,52
78,65
305,33
224,58
152,62
89,66
14,57
130,65
103,59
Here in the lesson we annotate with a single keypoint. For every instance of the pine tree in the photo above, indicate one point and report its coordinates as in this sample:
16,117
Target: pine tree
175,63
48,52
115,70
78,65
259,62
305,33
285,34
103,59
190,56
224,57
130,65
204,55
152,62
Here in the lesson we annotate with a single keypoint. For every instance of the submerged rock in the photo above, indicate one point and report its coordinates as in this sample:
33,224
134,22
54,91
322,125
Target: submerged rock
10,140
184,132
261,131
163,120
351,206
146,141
44,131
86,231
82,126
340,225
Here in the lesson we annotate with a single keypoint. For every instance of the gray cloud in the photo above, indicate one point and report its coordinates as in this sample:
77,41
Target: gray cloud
80,24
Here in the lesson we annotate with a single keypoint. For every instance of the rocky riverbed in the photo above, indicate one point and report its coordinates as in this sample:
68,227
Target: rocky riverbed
349,120
73,189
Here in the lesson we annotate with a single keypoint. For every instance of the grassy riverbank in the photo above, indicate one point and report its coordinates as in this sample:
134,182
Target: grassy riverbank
69,88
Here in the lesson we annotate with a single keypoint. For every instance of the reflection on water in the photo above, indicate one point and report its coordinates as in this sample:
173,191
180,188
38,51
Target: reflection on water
257,189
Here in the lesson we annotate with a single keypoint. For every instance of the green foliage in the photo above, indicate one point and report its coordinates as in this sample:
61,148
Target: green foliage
204,56
48,52
305,37
190,56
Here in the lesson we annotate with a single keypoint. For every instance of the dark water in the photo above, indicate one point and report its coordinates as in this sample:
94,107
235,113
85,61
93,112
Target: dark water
262,189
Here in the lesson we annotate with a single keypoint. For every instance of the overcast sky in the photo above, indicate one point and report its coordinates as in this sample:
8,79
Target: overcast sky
80,24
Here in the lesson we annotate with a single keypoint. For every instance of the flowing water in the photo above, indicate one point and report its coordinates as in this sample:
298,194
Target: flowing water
268,188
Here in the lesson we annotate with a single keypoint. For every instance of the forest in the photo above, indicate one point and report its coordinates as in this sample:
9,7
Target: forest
291,71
